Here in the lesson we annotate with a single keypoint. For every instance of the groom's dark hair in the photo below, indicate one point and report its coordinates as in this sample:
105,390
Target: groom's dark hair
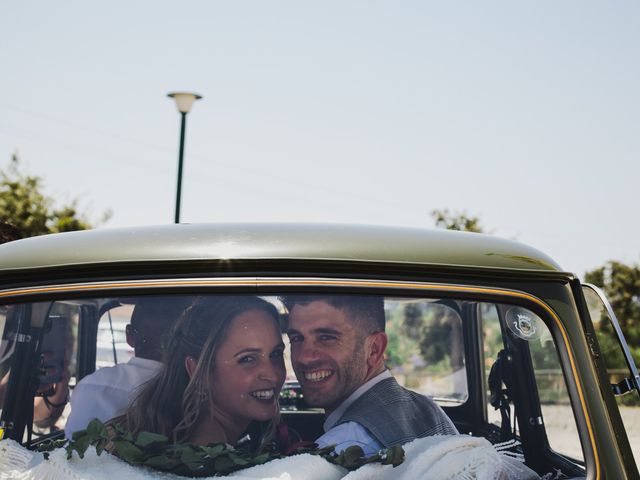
366,311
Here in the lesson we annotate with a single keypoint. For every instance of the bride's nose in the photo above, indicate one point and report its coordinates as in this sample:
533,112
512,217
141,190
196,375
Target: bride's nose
268,372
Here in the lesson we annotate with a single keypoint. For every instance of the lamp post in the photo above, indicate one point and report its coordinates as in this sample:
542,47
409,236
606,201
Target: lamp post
184,102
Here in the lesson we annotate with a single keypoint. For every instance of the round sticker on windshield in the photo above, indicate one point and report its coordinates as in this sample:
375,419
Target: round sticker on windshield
524,324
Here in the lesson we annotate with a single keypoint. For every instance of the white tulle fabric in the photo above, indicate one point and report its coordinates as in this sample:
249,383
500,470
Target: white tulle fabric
436,458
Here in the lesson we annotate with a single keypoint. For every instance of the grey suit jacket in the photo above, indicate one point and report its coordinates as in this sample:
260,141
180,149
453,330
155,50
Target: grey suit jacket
394,415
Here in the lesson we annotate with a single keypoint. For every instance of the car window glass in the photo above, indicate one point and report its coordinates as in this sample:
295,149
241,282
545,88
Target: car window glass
557,413
7,347
4,349
111,342
492,344
6,342
609,343
426,348
528,334
617,368
58,349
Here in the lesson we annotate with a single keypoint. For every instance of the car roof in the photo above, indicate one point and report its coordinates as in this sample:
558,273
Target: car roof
335,242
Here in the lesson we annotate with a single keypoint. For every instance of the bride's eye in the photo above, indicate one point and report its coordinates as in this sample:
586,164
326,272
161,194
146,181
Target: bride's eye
247,359
277,353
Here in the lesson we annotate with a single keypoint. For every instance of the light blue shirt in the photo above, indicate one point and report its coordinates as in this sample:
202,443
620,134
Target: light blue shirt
351,433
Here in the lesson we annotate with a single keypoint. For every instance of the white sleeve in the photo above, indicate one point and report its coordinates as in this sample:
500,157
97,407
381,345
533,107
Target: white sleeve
91,400
82,409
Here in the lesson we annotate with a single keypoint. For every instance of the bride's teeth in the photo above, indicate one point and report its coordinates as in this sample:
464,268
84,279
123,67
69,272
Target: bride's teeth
263,394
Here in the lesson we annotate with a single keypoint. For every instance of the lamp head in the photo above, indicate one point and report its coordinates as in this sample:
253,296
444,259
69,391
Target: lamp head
184,100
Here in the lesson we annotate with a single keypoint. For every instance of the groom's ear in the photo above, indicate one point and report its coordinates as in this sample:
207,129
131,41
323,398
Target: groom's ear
375,353
190,365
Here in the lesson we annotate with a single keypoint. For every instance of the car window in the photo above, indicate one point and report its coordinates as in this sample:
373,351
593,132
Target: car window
444,348
426,348
557,414
7,347
519,331
58,359
492,344
112,347
617,367
6,343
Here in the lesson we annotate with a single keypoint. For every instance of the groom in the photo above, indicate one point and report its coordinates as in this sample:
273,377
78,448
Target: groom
337,352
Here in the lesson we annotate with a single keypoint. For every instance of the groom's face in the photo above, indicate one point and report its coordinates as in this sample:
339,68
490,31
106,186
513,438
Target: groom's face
327,353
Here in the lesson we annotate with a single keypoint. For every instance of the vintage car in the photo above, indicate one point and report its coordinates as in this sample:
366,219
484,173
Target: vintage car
494,331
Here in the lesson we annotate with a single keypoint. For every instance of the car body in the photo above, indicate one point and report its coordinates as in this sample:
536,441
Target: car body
480,295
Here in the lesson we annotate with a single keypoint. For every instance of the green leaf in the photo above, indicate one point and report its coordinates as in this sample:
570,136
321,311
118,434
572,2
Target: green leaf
237,459
215,449
394,456
96,430
147,438
352,457
160,462
260,459
189,456
224,464
100,447
81,445
127,451
78,434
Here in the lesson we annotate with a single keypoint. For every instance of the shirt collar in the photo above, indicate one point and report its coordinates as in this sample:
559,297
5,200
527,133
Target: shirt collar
333,418
145,362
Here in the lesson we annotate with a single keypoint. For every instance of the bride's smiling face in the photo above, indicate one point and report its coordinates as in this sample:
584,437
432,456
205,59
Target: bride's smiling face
249,369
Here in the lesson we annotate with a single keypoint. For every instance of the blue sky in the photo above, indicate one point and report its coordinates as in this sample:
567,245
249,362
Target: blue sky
523,113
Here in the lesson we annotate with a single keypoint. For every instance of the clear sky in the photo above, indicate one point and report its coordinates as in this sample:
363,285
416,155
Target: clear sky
526,114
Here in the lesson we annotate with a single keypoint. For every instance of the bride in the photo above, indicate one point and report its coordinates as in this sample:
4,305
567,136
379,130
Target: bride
223,368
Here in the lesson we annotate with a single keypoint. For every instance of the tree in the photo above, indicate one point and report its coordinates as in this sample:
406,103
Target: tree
457,221
23,205
621,285
413,320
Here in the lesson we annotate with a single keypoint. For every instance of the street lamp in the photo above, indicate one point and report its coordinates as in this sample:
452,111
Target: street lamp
184,102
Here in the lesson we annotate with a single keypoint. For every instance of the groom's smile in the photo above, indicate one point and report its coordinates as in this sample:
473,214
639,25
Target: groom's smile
317,376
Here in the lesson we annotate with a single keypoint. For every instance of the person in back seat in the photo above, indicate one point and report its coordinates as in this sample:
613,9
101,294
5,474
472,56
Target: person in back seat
107,393
337,352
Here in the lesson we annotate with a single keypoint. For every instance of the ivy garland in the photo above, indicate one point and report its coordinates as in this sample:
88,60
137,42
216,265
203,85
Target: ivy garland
157,452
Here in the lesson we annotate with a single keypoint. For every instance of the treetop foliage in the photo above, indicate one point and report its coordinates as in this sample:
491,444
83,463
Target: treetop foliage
23,205
457,221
